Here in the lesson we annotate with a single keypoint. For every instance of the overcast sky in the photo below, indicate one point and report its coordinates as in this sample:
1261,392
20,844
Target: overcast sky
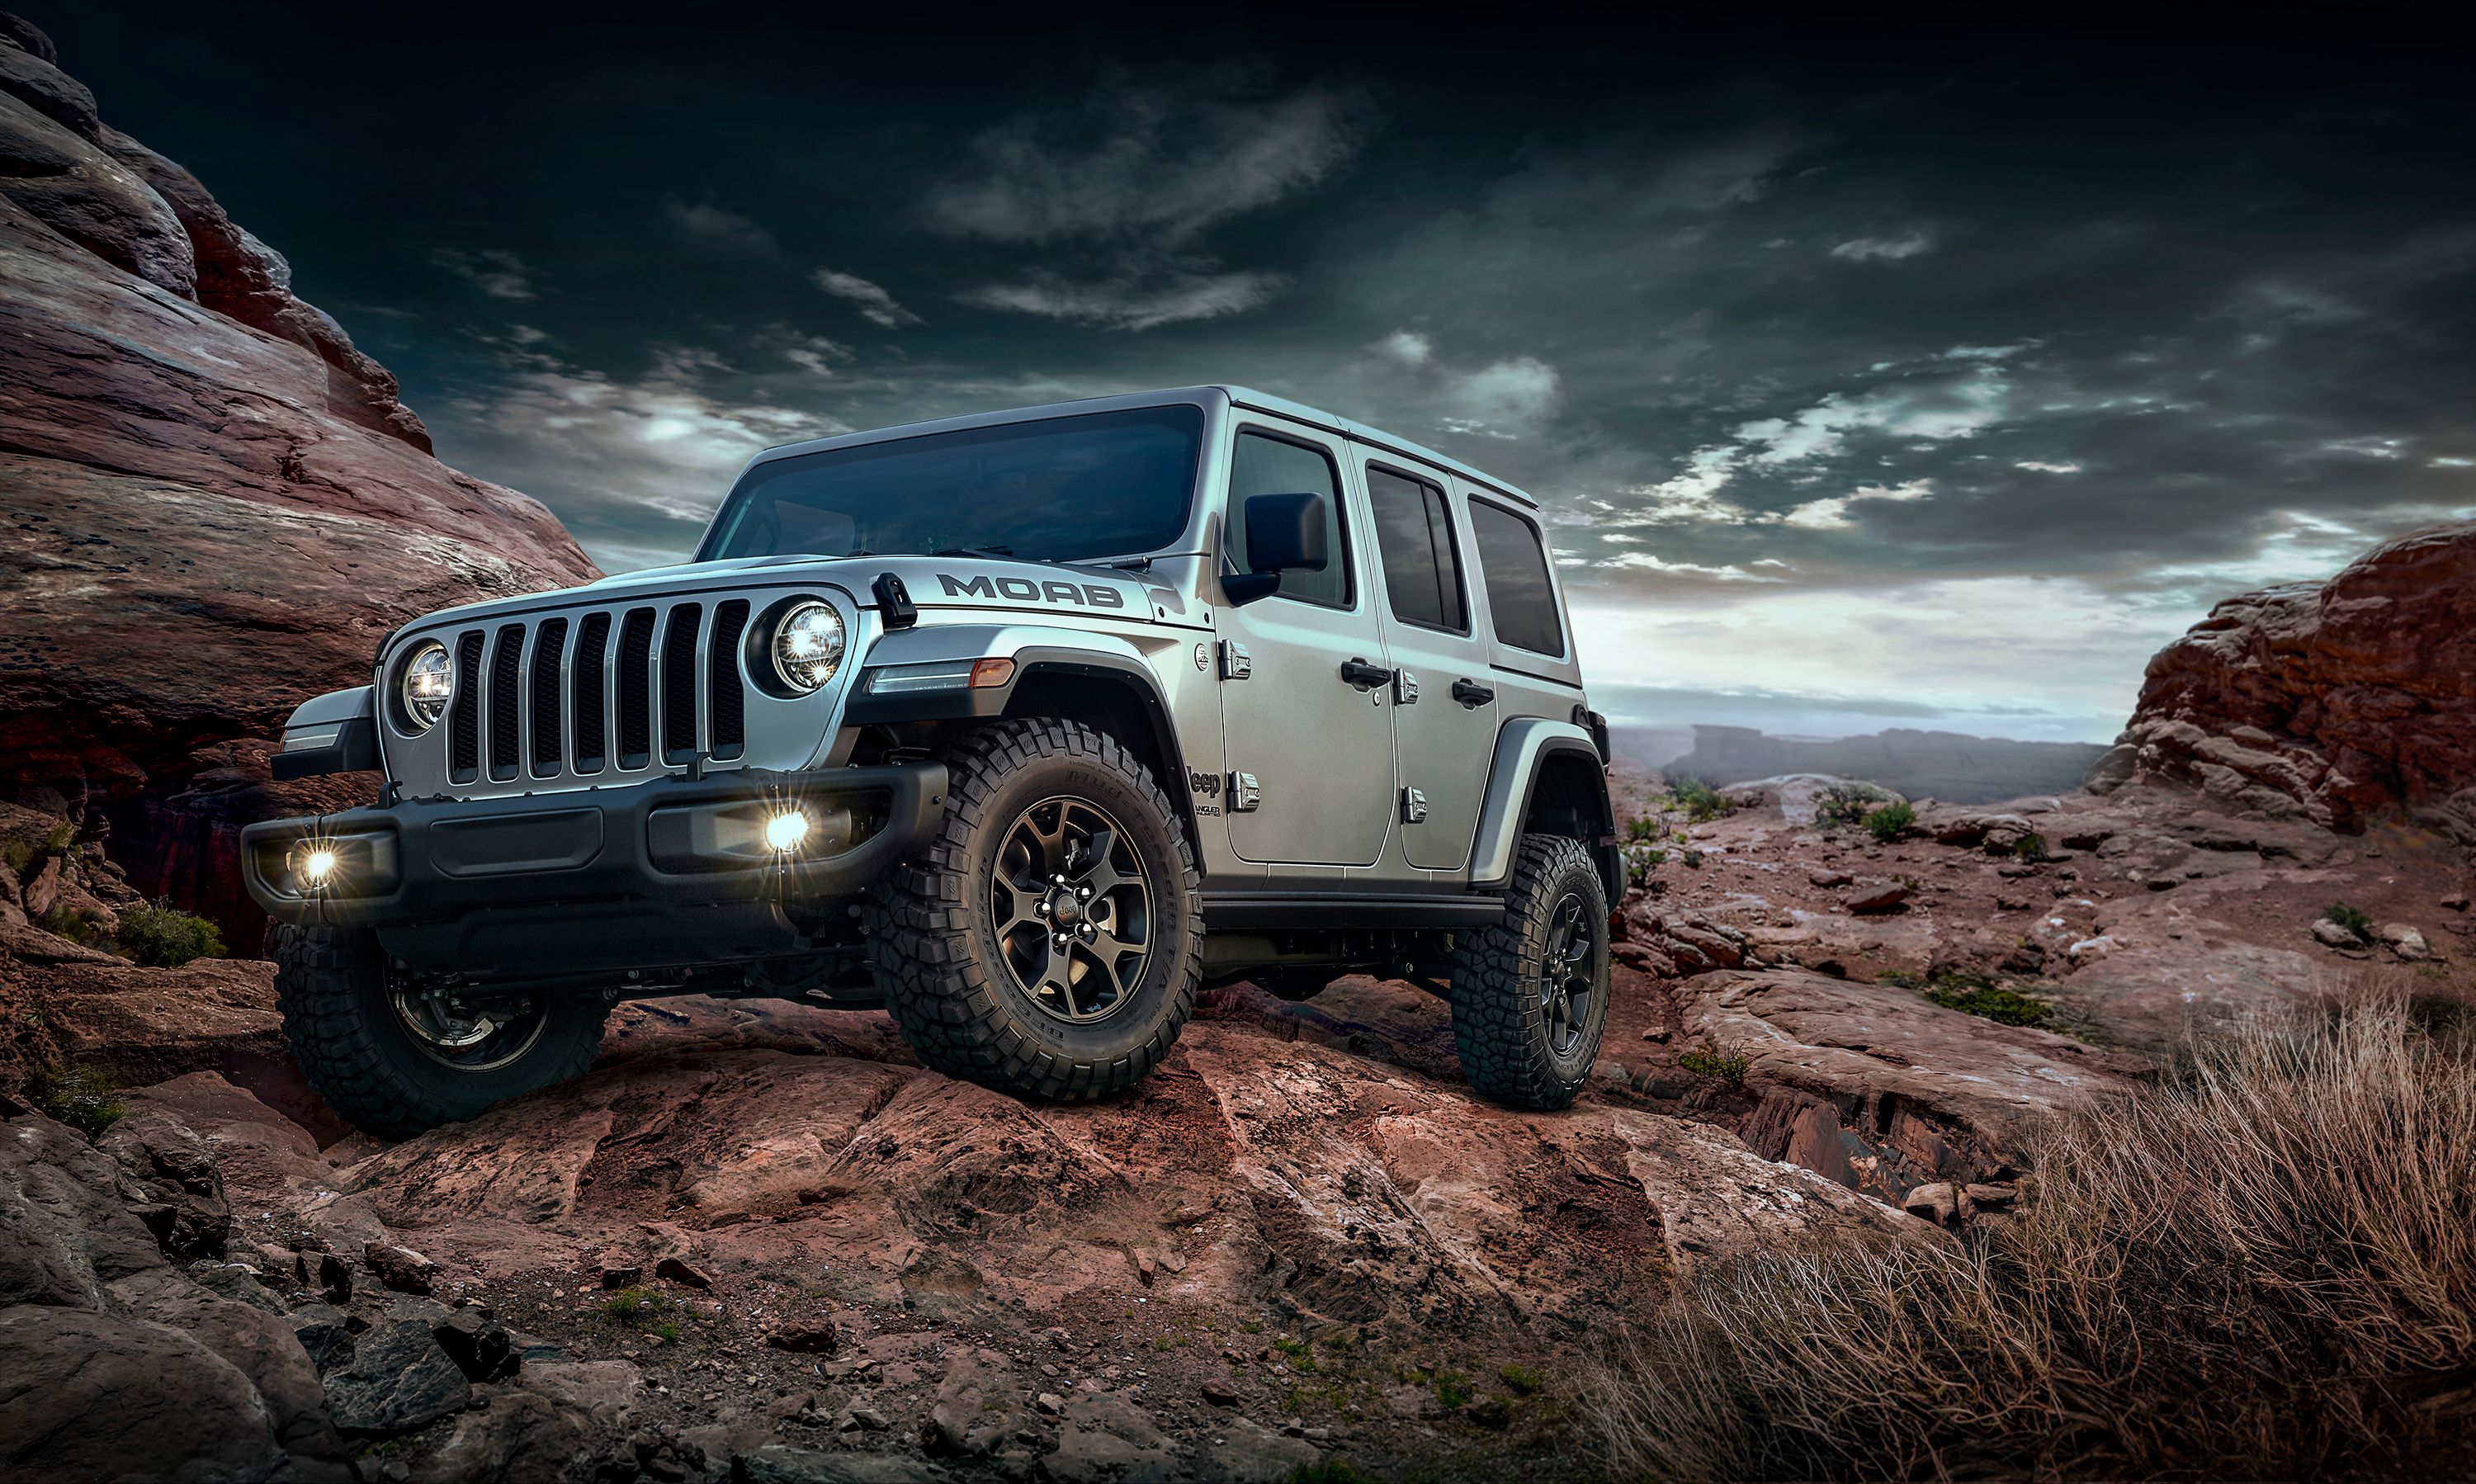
1866,385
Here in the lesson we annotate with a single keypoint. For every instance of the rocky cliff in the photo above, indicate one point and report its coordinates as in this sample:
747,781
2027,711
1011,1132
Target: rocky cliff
2330,702
215,505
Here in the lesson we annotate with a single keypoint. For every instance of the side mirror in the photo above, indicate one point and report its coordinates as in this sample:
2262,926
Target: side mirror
1284,533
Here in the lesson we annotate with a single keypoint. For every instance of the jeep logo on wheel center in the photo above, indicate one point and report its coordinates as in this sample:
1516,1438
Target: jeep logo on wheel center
769,773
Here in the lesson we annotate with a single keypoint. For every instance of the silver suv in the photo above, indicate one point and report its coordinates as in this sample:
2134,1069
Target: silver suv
1022,726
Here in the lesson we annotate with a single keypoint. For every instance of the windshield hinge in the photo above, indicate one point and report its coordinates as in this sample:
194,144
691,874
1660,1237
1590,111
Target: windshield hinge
895,608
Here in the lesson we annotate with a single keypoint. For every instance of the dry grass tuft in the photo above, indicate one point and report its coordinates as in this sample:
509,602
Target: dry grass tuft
2264,1268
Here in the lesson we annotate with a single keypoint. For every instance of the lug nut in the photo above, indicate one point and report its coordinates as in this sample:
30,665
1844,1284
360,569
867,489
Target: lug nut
1083,893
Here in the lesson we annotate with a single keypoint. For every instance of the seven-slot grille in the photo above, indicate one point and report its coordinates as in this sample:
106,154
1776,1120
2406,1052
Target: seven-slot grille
580,695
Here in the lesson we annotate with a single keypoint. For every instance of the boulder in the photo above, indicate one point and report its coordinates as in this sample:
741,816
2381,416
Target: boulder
1885,898
87,1396
399,1379
2327,703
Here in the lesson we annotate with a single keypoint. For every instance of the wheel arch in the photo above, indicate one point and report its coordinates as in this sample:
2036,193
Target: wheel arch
1113,695
1547,779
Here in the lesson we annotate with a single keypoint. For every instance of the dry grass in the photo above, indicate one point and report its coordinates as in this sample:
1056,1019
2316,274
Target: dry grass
2264,1268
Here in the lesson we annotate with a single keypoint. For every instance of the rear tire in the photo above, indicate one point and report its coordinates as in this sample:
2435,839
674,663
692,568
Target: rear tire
360,1044
1530,992
967,943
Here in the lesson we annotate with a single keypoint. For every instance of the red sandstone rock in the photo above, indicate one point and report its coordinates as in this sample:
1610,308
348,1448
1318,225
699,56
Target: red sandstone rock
217,507
2326,702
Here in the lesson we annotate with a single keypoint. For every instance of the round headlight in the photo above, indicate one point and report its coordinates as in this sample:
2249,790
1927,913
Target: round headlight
807,646
427,683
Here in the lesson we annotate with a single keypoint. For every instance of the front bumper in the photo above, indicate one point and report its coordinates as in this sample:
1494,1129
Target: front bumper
668,871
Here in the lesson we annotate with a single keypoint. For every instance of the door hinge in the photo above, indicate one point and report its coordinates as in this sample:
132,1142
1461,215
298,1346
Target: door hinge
1236,665
1414,807
1244,792
1406,688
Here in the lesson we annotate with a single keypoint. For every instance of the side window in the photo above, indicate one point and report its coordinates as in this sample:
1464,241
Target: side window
1519,591
1267,465
1414,535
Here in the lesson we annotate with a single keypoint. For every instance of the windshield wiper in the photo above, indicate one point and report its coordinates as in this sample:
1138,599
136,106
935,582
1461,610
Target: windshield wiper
1005,552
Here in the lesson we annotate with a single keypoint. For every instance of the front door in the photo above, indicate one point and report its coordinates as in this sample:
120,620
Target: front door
1310,748
1443,699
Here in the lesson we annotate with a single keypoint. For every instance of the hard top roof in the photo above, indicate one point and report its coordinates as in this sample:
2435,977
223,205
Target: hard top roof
1239,396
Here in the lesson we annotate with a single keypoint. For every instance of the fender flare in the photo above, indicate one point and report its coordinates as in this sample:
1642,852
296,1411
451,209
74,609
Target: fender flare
1036,649
336,733
1523,750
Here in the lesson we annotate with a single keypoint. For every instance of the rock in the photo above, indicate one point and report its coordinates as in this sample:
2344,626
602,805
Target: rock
976,1406
1828,878
562,1420
1220,1393
674,1270
180,424
862,1418
2457,902
480,1345
86,1396
138,1026
1105,1436
807,1338
399,1379
2404,941
169,1166
400,1268
1243,1453
1879,898
777,1464
1990,1197
620,1271
2364,688
323,1333
1938,1203
2331,934
1885,1091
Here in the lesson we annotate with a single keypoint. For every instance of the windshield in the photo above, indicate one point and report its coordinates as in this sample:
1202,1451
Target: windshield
1099,484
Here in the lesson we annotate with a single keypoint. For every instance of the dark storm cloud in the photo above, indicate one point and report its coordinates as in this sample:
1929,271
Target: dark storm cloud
1873,382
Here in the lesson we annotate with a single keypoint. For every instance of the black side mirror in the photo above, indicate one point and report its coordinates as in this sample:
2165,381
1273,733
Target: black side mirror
1284,533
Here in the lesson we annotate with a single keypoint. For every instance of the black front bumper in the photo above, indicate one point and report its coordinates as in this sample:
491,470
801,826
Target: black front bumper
667,872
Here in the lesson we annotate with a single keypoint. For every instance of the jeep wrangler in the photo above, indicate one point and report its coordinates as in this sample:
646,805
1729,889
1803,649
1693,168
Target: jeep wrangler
1023,727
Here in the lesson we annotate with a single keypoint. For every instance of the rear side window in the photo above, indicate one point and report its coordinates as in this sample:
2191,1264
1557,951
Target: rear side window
1414,535
1519,591
1267,465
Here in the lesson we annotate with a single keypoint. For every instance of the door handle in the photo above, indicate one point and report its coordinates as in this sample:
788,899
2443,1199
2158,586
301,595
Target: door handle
1365,676
1471,693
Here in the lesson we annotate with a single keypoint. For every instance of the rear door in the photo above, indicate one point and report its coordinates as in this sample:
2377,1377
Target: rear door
1531,644
1316,746
1444,697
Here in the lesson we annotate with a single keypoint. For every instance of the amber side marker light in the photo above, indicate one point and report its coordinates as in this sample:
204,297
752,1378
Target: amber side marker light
986,673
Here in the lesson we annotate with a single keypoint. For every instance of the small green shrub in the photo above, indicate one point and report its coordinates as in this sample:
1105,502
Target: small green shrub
1521,1379
1453,1391
642,1310
1299,1354
1847,804
2349,917
164,937
80,1096
1901,978
2031,847
1989,1002
1890,822
1640,861
1332,1470
1699,800
61,923
1726,1067
1641,829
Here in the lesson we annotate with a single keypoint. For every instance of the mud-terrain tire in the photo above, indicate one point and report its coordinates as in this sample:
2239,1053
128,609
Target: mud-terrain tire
1515,1048
366,1063
956,976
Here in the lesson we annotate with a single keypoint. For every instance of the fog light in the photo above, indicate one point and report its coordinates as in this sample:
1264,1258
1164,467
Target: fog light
317,866
785,831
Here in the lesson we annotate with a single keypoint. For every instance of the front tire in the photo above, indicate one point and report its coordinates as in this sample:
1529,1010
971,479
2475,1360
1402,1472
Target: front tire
1530,992
1049,946
395,1061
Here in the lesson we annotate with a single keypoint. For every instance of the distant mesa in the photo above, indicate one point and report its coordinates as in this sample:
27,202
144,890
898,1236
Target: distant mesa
1946,765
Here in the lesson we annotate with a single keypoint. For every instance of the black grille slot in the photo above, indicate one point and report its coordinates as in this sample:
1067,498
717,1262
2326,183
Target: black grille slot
636,681
506,659
729,703
678,683
591,736
550,645
464,717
